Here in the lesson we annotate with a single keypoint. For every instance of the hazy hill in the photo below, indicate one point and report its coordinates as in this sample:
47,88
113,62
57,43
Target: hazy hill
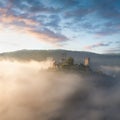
96,59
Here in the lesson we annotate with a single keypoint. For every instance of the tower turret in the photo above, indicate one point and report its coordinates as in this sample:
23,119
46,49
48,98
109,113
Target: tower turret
87,61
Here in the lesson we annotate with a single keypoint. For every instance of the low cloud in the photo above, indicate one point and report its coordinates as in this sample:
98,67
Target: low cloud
29,91
111,70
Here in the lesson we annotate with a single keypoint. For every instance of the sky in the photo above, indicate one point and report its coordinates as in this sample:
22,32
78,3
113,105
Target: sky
79,25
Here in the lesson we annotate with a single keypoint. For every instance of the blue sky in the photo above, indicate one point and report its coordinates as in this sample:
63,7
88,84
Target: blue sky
82,25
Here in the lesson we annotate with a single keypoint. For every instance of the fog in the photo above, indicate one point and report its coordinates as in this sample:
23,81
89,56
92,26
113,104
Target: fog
111,70
28,91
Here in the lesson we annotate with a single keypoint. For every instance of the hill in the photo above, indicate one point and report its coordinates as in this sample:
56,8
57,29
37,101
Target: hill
38,55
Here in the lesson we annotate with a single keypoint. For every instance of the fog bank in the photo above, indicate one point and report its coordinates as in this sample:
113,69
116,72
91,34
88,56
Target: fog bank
29,92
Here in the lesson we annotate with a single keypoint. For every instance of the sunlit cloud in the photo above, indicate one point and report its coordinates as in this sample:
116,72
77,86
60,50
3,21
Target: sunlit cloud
56,22
10,19
29,27
93,46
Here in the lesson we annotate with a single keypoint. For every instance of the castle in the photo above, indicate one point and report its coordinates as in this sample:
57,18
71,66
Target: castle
87,62
68,63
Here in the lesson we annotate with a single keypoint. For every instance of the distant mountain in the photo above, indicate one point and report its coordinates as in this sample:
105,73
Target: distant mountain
38,55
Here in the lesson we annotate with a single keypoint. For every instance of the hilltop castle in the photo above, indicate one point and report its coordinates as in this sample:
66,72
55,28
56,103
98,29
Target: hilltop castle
87,62
68,63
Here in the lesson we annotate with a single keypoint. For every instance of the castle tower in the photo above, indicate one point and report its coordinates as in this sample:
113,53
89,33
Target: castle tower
87,61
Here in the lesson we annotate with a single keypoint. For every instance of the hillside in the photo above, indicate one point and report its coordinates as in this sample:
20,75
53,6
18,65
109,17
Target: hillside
39,55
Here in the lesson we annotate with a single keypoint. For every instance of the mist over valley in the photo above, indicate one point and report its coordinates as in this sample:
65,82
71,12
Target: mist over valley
32,91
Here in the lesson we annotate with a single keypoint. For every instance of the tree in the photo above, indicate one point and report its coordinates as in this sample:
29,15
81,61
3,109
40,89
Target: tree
70,61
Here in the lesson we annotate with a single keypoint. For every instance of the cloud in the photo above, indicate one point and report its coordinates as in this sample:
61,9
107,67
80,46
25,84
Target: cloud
33,93
118,42
29,93
109,28
90,47
78,13
31,7
10,19
96,17
54,17
110,69
48,36
108,9
31,27
54,21
113,50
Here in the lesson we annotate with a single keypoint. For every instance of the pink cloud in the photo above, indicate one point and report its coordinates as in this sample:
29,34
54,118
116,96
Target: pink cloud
7,19
90,47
